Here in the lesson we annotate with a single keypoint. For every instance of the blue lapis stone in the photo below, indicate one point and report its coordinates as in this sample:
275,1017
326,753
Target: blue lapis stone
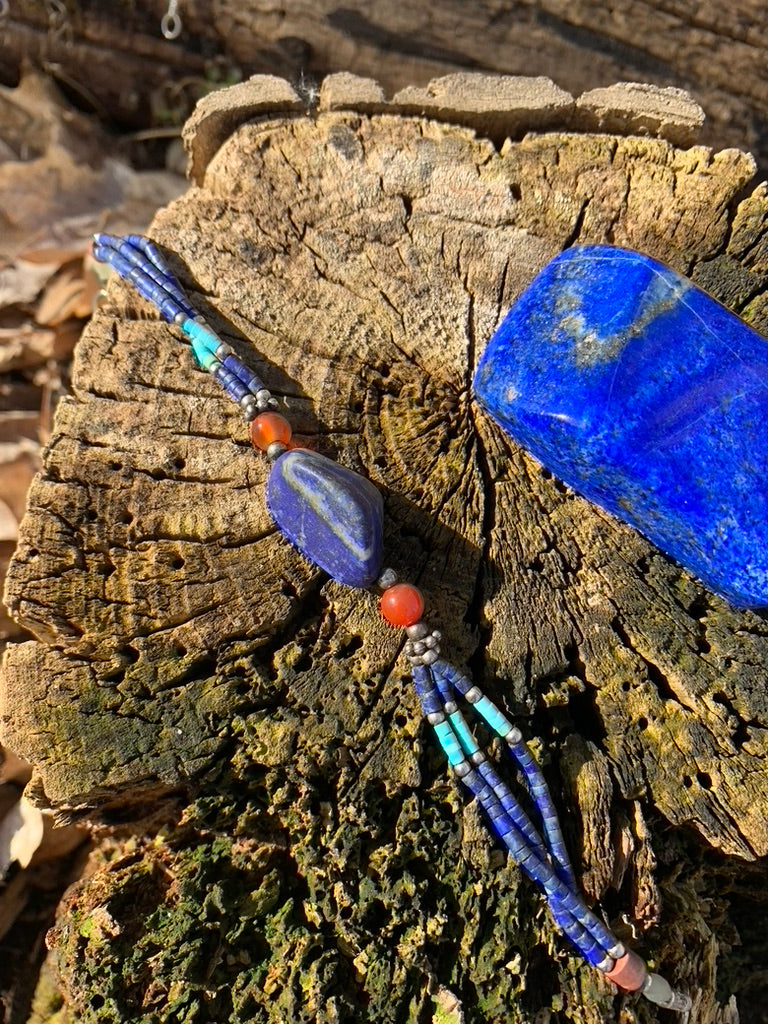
648,397
331,514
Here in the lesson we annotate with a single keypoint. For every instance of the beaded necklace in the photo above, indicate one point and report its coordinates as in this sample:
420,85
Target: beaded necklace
333,516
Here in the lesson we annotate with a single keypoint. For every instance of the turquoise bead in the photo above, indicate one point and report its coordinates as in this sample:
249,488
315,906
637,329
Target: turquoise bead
449,743
331,514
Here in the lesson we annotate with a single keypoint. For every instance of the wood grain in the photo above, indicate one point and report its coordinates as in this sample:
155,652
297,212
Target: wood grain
191,667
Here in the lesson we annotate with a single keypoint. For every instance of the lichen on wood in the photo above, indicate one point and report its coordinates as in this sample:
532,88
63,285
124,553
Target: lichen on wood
300,851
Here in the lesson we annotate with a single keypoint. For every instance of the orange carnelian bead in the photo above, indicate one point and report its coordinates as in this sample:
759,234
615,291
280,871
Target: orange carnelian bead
268,427
629,972
401,604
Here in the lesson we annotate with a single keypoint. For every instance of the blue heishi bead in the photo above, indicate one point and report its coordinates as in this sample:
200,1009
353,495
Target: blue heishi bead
332,515
648,397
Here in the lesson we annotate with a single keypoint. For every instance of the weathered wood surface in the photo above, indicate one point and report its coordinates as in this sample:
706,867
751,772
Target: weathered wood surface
115,59
190,668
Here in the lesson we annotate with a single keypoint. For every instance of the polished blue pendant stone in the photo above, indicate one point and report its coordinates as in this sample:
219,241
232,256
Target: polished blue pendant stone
331,514
648,397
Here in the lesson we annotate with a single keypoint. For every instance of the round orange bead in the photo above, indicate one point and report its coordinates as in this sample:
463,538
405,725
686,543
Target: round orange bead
629,972
402,604
268,427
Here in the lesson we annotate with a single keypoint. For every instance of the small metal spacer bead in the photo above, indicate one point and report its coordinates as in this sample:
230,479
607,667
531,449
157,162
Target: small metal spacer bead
473,694
429,657
387,579
275,449
617,951
462,769
478,757
417,631
262,397
222,351
180,318
605,965
514,736
417,646
431,640
415,659
248,402
273,403
435,717
450,707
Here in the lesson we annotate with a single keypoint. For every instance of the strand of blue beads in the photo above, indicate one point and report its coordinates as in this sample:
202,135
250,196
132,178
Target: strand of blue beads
508,820
334,517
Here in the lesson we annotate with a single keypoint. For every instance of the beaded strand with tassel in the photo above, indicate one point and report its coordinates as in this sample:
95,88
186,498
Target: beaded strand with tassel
334,517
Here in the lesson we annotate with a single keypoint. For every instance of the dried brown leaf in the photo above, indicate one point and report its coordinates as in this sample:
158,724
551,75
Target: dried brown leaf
24,347
9,524
18,464
57,178
16,428
14,769
63,298
58,840
21,282
21,832
53,255
13,898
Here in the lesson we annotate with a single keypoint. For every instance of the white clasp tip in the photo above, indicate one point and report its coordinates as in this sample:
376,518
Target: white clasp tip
657,990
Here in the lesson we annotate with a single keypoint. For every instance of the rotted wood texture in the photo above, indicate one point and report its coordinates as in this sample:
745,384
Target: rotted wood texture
715,50
193,675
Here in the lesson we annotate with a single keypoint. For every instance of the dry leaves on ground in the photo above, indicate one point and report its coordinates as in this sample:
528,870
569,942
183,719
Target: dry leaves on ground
59,182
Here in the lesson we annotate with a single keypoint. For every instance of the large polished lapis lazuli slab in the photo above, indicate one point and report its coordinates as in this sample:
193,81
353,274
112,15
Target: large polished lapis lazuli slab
648,397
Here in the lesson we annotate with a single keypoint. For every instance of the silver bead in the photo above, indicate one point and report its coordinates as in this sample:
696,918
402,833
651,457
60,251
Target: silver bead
262,397
275,449
417,631
429,657
462,769
514,736
473,694
435,717
451,707
222,351
180,318
431,640
387,579
417,646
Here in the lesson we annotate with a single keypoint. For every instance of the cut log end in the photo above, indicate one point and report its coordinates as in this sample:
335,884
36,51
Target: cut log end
359,257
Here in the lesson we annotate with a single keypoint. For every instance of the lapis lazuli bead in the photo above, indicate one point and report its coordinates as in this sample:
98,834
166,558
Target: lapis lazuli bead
331,514
648,397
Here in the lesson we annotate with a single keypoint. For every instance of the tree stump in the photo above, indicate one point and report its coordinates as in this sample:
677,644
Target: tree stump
286,842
